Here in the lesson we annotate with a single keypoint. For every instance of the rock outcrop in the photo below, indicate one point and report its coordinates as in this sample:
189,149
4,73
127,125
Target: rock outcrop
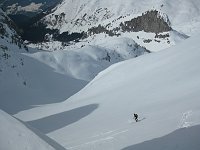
151,21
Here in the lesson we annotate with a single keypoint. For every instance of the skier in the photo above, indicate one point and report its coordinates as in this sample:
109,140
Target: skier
136,117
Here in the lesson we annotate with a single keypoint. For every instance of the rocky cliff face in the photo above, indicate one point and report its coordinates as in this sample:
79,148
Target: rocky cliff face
150,21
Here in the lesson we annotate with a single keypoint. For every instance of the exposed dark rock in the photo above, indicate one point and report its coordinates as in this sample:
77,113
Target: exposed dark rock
157,41
151,21
108,58
101,29
162,36
58,19
4,52
147,40
2,30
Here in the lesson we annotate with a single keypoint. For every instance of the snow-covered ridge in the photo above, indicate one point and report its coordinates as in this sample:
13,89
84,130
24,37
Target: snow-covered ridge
80,15
128,19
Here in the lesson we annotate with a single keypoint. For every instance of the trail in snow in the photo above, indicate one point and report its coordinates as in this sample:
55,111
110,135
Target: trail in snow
108,138
103,138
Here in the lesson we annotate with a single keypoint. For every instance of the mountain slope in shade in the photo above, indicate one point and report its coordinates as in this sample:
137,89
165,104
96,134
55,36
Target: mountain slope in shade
11,46
24,81
163,88
15,135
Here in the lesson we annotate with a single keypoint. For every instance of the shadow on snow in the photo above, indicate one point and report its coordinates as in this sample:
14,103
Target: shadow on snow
181,139
57,121
43,86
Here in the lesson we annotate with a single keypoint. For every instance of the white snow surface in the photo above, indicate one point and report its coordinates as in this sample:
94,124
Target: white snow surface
163,88
16,136
86,62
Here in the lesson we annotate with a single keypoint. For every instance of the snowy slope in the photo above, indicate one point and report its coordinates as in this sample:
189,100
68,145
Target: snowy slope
141,38
37,77
15,135
25,82
85,62
10,44
163,88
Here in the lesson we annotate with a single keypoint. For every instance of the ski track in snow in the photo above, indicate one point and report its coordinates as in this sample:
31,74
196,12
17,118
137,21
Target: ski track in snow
101,138
107,138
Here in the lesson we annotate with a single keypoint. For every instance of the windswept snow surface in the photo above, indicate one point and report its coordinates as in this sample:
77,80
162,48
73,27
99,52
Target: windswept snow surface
16,136
163,88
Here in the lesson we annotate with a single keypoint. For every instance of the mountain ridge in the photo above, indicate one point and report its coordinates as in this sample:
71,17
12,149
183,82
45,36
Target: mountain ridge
119,19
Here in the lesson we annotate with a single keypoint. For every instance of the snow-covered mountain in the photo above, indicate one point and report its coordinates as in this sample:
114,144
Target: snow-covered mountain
36,77
155,24
30,78
76,15
25,81
163,88
43,87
